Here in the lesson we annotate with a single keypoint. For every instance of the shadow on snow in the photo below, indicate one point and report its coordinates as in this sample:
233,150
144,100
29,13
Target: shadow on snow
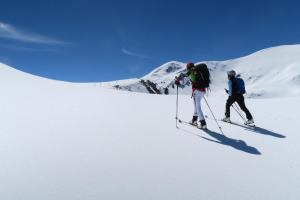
267,132
257,129
262,131
224,140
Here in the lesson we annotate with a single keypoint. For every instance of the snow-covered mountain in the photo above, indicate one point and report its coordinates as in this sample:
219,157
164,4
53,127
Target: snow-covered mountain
272,72
62,141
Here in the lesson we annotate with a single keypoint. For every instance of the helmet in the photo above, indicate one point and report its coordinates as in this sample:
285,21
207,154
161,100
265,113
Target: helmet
231,73
189,66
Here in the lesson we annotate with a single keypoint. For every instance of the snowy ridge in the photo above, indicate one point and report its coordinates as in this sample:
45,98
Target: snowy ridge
156,82
165,73
272,72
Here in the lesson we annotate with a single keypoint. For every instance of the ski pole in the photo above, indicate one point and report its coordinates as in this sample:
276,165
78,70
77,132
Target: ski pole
176,106
213,115
237,107
237,111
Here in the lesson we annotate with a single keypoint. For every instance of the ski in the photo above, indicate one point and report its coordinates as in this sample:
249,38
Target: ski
239,124
193,125
236,123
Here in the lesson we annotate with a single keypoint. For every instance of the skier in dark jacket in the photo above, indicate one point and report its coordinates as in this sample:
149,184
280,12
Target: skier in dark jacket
198,91
236,95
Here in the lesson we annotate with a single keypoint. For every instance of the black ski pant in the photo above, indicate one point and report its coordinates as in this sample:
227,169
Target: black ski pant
239,98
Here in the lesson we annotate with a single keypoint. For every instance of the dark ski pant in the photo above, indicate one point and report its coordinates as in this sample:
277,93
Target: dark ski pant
239,98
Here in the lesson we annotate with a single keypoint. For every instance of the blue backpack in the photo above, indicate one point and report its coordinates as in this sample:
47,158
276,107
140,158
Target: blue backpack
240,86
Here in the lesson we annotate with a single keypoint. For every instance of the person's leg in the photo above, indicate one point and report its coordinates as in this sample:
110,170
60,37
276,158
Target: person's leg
198,96
195,115
241,101
229,102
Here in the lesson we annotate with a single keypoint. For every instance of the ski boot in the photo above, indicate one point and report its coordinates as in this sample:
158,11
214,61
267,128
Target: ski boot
202,124
226,119
194,121
249,122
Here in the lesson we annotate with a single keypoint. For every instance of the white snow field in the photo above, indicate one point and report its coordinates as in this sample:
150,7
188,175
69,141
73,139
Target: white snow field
66,141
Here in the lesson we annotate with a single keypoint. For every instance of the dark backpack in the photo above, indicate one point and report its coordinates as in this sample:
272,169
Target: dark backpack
202,75
239,86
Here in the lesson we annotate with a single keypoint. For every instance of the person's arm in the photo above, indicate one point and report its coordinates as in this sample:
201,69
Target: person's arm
181,78
230,88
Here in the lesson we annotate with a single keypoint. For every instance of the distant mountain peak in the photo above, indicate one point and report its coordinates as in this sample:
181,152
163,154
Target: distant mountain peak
271,72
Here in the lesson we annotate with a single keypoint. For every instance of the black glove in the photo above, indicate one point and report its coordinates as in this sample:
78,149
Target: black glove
226,90
182,75
177,81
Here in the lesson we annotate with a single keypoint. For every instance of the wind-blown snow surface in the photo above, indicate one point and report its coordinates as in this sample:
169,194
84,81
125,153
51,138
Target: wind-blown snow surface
63,141
272,72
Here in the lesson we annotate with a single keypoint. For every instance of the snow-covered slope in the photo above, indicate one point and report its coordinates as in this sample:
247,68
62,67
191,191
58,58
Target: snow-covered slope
63,141
273,72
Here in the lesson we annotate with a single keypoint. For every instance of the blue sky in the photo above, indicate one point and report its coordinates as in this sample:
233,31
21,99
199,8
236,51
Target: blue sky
89,40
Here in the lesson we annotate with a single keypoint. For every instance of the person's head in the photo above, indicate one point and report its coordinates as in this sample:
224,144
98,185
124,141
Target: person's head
189,66
231,74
